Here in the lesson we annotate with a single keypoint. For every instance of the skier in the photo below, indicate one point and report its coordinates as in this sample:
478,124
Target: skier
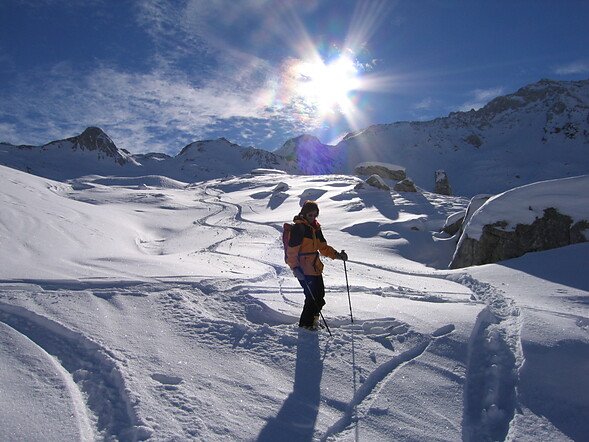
302,255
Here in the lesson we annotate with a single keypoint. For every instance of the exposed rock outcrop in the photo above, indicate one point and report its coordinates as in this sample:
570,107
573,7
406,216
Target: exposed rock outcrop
442,183
384,170
496,244
406,185
95,139
378,182
456,222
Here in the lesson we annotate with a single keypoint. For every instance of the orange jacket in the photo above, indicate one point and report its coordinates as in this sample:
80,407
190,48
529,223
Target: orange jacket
306,241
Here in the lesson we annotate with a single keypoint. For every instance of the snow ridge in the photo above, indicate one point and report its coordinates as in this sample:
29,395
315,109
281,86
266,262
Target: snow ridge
92,368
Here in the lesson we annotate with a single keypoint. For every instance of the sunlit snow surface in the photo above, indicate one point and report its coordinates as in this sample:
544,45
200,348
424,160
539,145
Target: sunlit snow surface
147,308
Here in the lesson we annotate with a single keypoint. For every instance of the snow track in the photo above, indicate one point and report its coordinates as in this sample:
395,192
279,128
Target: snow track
53,404
495,357
92,369
369,390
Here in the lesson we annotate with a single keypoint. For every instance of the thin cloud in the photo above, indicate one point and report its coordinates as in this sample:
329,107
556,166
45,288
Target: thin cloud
576,67
69,3
228,42
216,31
204,80
425,104
480,97
135,109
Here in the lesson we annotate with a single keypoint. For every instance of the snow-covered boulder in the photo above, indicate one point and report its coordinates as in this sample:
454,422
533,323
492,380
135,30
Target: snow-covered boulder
442,183
405,185
531,218
378,182
281,187
454,223
383,170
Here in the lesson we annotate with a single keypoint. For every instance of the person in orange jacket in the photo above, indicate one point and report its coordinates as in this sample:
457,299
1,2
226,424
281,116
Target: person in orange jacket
302,256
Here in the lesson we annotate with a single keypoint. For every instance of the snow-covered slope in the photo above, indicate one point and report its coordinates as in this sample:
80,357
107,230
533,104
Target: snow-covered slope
204,160
540,132
141,308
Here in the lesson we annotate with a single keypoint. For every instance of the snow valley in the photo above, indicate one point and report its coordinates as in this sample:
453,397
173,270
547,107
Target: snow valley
150,306
142,308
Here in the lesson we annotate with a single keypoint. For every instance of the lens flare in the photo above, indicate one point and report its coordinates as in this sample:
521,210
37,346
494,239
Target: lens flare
327,86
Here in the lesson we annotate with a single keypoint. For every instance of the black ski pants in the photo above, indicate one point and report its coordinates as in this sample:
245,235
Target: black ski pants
314,298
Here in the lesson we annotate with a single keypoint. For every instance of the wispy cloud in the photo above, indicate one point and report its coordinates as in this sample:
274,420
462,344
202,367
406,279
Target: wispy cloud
69,3
425,104
135,109
214,68
576,67
224,33
201,82
426,109
480,97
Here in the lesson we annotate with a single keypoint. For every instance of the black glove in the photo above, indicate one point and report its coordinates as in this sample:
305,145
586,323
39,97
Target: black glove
341,255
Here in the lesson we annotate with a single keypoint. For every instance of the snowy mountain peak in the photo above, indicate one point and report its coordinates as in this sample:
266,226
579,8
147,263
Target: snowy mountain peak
91,152
218,158
95,139
302,142
539,132
209,145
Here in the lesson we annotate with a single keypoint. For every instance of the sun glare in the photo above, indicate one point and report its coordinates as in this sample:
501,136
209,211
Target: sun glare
327,83
328,86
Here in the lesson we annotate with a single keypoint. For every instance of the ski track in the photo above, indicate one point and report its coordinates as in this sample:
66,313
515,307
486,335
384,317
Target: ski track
187,312
92,368
495,357
374,382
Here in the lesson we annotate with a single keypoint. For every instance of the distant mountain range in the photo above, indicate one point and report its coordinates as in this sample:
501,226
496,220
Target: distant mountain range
94,153
539,132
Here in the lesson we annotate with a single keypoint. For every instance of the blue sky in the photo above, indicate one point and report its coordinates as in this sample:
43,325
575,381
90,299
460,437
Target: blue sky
159,74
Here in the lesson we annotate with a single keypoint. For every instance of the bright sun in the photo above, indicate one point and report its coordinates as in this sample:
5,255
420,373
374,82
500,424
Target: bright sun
328,86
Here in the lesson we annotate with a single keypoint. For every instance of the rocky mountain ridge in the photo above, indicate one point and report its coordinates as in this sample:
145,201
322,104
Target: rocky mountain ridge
539,132
542,124
94,153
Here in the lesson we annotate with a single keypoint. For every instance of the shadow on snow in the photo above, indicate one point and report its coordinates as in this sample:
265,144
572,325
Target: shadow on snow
296,419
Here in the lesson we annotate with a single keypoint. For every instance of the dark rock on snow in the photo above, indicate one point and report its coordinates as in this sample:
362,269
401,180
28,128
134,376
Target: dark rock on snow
551,231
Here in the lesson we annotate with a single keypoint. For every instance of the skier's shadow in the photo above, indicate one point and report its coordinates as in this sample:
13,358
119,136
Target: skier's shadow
296,419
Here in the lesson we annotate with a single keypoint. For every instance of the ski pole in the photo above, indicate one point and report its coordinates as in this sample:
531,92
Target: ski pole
348,286
317,306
